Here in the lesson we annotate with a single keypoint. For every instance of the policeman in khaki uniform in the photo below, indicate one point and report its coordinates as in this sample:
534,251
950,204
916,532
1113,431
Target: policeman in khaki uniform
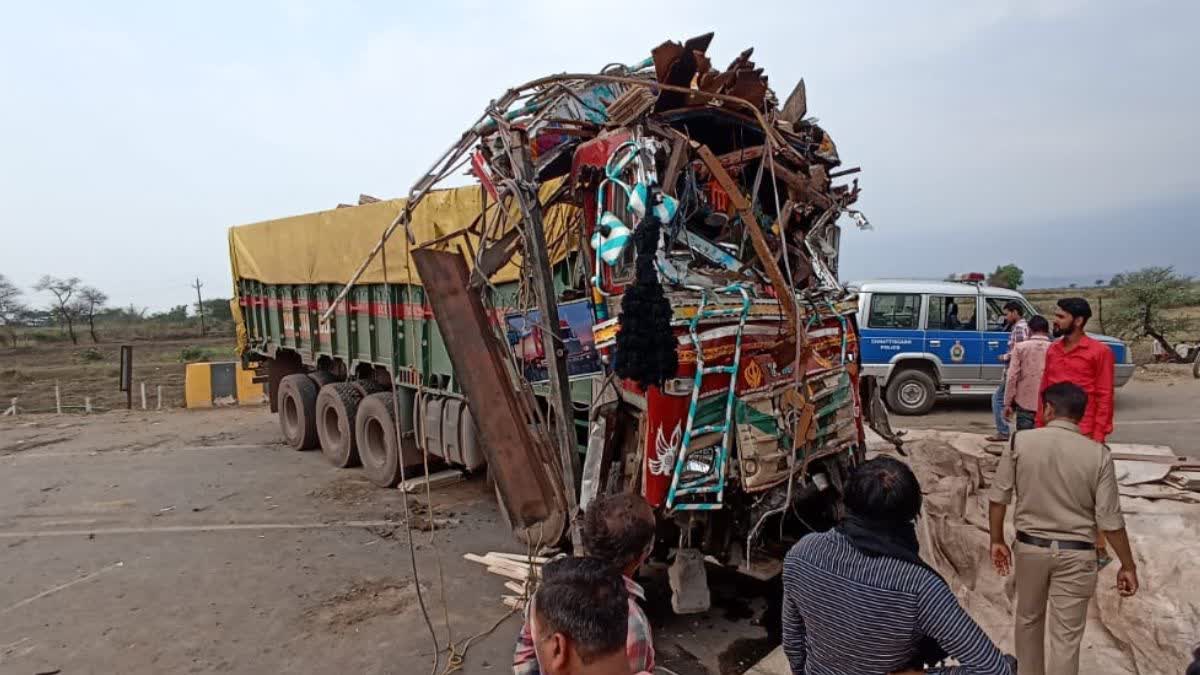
1065,488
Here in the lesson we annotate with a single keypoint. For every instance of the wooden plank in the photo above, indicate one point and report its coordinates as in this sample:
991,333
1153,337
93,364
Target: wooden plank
1155,459
519,557
439,479
511,574
513,586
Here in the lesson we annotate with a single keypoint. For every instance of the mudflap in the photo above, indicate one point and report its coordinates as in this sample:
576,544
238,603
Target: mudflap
876,414
689,582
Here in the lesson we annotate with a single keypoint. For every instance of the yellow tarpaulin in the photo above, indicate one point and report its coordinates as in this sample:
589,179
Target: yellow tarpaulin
328,246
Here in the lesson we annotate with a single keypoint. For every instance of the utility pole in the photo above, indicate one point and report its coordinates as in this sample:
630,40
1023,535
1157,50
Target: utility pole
199,304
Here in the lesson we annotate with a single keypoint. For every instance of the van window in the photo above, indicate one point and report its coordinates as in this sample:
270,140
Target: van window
995,312
893,310
951,312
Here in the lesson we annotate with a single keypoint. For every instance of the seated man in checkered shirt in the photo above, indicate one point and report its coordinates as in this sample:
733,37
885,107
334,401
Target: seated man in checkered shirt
618,529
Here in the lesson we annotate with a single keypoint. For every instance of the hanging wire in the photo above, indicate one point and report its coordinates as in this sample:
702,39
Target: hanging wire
412,548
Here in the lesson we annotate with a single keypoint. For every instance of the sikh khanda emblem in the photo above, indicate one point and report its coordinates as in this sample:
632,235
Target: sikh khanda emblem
958,352
752,374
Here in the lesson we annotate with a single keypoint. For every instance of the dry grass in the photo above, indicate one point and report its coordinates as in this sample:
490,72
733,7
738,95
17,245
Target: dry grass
86,370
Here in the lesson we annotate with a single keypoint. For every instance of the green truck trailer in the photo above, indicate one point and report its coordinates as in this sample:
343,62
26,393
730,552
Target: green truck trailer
330,382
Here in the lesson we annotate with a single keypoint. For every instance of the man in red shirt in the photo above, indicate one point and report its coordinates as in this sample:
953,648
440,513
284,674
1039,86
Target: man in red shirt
1079,359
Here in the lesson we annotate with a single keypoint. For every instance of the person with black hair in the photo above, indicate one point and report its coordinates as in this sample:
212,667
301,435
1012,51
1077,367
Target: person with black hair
1024,375
578,618
1018,332
1194,669
1081,360
859,599
618,530
1065,488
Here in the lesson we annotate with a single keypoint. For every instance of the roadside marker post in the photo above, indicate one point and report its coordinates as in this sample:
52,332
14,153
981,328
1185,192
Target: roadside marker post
126,376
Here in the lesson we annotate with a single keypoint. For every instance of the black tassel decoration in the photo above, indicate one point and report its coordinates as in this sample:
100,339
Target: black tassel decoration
645,349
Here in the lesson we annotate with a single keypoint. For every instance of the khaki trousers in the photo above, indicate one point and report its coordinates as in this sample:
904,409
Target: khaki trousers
1053,585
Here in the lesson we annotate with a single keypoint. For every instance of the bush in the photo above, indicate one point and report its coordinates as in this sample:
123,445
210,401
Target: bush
42,337
89,355
195,354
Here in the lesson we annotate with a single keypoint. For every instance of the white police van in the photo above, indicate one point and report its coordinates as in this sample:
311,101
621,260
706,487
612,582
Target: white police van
922,339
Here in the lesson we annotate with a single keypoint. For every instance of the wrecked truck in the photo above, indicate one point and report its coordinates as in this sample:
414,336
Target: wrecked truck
638,292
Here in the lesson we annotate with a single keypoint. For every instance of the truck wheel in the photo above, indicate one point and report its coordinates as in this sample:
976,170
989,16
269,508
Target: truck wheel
298,411
911,392
322,378
337,410
378,447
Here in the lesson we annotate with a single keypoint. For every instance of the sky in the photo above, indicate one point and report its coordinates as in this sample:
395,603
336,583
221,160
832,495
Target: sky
1056,134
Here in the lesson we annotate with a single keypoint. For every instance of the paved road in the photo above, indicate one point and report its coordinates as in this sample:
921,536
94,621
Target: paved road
126,551
1157,412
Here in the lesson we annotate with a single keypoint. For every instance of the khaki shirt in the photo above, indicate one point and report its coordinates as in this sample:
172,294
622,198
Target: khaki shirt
1065,483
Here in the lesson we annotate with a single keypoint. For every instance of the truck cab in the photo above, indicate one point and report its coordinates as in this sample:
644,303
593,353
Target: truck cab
928,339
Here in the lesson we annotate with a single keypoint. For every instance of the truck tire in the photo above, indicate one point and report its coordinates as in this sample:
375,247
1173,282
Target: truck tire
337,411
378,448
298,411
322,378
911,392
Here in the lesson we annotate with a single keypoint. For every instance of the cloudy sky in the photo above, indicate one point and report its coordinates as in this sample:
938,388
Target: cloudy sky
1056,134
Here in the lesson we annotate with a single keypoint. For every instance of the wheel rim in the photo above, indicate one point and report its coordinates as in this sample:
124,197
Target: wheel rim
291,414
375,441
912,395
333,430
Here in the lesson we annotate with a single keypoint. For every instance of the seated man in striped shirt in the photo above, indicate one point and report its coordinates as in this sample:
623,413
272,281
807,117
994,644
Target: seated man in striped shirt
859,599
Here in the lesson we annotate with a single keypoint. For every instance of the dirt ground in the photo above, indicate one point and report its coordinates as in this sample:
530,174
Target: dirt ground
193,542
91,370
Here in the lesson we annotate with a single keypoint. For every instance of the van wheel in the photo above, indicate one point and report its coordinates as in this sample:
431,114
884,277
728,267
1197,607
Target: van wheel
337,410
911,392
298,411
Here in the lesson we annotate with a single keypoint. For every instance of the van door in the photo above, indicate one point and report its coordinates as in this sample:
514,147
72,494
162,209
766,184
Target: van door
892,327
952,334
995,340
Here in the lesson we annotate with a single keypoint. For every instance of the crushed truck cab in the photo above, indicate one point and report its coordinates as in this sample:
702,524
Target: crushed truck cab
639,294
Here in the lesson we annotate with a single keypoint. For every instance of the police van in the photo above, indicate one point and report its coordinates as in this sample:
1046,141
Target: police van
924,339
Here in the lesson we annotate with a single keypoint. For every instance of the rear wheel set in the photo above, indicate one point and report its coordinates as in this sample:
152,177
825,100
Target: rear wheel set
352,422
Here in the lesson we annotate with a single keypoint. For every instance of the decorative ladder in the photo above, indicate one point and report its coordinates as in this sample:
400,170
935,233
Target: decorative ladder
712,483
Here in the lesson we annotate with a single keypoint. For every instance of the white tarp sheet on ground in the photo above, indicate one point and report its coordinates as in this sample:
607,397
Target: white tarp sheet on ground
1151,633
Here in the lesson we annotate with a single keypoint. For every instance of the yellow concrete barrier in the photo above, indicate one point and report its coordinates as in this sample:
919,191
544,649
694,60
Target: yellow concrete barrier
216,384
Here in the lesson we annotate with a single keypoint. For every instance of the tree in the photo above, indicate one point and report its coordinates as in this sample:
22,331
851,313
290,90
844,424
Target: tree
64,307
1117,280
91,300
1099,282
217,309
11,307
1142,300
1007,276
176,314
